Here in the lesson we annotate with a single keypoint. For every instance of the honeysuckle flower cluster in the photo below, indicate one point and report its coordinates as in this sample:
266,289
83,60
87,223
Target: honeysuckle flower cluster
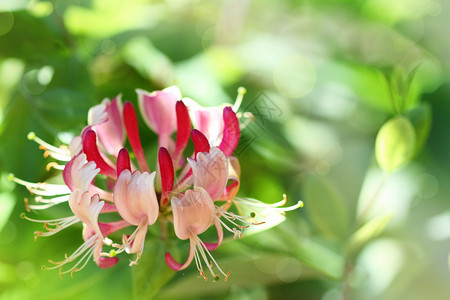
192,191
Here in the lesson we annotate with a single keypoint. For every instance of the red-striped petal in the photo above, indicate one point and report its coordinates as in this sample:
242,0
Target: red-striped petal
183,129
167,174
174,265
123,161
107,262
213,246
201,143
231,132
93,154
131,126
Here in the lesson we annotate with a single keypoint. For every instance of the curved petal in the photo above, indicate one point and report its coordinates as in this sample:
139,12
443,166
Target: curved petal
231,132
167,174
234,173
175,265
86,208
123,161
206,119
93,154
183,130
158,109
139,240
135,197
210,172
79,173
193,213
106,262
106,119
213,246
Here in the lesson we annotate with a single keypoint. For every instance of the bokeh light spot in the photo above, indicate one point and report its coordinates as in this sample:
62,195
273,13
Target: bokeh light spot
294,76
6,22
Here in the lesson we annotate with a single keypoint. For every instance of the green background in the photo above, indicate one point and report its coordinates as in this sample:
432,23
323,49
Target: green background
322,77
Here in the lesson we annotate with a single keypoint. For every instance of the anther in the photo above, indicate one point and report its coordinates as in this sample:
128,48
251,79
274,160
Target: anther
228,274
27,205
31,135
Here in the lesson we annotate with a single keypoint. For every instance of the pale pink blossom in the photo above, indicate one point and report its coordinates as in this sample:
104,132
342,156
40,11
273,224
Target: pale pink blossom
136,202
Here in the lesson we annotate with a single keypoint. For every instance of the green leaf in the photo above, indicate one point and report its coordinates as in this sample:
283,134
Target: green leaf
421,118
395,143
326,206
366,233
62,109
152,273
30,38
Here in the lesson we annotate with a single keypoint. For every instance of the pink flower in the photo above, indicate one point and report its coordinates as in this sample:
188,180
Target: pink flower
136,202
193,213
158,110
101,176
106,121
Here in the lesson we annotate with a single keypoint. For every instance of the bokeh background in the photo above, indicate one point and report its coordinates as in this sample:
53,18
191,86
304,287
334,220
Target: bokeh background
321,76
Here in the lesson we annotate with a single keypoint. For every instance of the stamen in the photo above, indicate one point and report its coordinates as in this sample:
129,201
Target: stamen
27,207
49,202
43,189
54,166
201,246
241,92
90,245
58,153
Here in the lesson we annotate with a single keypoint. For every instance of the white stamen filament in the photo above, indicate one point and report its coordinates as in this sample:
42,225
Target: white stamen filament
48,202
90,244
201,250
59,224
241,92
57,153
42,189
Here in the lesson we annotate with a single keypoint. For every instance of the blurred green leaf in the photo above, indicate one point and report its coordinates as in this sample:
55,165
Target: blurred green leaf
30,38
366,233
62,109
395,143
421,119
326,206
152,273
142,55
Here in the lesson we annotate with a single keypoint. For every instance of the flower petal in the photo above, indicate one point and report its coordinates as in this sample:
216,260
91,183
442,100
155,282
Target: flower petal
123,161
210,172
201,143
86,208
175,265
167,174
193,213
231,132
206,119
93,154
135,197
131,125
183,129
213,246
106,119
158,109
79,173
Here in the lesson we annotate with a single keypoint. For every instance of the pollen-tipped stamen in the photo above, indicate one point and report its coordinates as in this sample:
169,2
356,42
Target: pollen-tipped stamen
42,189
240,96
55,152
86,250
